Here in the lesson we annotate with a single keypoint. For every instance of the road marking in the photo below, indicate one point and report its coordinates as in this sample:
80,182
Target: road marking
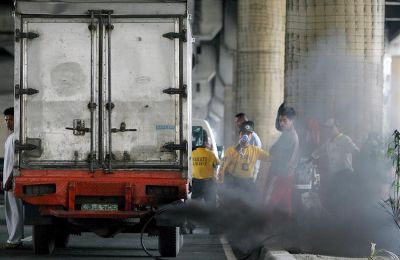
227,249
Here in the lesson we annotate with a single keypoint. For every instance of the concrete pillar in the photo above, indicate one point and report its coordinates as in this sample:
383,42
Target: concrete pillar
334,62
229,133
393,113
260,63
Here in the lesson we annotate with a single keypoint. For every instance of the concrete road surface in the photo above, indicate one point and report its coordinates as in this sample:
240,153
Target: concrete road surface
200,246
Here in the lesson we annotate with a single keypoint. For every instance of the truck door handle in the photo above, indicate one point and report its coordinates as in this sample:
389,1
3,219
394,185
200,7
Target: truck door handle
79,127
122,128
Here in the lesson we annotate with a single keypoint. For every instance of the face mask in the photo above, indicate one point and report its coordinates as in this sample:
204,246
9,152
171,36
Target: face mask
244,139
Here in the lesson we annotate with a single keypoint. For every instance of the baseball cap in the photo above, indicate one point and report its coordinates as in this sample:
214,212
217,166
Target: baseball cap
246,127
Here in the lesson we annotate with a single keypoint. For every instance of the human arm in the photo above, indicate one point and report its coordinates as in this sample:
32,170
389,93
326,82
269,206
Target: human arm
320,151
263,155
225,163
351,147
221,171
8,183
8,163
257,140
215,163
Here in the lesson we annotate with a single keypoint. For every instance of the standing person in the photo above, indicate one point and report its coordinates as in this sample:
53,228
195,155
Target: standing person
204,165
254,140
284,158
13,206
237,169
338,149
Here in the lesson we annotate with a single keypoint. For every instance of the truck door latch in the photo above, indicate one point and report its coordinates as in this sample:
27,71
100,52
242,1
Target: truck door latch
176,91
24,91
27,35
173,147
175,35
79,127
122,128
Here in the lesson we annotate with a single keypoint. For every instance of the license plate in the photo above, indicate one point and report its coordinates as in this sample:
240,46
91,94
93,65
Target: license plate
99,207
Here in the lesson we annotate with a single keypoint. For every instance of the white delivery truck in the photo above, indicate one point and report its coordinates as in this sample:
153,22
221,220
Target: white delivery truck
102,117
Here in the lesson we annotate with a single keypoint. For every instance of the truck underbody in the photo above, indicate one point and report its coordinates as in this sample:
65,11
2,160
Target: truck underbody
64,202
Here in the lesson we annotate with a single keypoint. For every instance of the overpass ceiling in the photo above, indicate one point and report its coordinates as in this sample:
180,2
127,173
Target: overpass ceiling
392,26
392,15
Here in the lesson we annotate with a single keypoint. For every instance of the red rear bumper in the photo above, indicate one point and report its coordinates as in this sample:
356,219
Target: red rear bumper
94,214
70,184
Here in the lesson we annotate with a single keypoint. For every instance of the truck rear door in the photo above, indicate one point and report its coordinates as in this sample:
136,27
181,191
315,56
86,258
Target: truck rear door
57,64
106,92
143,65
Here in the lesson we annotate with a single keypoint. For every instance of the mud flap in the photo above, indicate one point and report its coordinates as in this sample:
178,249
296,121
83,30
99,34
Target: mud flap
32,216
170,241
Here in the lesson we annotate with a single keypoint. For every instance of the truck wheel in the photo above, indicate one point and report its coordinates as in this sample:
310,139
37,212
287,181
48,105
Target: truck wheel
169,241
43,239
61,240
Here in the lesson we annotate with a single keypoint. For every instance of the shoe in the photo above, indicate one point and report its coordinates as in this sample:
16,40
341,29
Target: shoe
10,245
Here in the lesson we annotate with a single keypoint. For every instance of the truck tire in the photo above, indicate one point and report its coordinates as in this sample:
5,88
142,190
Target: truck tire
43,239
61,239
169,241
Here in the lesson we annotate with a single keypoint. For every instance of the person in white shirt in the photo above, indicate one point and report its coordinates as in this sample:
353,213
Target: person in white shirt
338,183
338,149
13,206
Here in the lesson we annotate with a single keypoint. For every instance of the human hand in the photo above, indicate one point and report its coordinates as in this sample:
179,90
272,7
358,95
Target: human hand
8,184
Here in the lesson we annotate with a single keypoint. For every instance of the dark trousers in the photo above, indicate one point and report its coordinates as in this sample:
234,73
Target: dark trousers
244,187
338,191
204,189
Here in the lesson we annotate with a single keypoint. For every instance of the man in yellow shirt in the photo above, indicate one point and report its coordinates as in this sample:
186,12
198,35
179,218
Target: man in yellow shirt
237,168
204,165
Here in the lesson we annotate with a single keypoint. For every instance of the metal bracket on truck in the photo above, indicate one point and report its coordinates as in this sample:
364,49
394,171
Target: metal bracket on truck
177,91
24,35
24,91
172,35
173,147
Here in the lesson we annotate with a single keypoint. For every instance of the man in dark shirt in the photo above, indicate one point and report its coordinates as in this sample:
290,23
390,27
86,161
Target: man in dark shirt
284,159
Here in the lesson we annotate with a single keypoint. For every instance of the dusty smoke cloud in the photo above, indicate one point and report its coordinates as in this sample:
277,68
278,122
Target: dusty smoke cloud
330,81
243,219
333,80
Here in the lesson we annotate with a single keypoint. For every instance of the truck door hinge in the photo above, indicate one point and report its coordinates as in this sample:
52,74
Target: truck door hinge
18,146
92,106
24,91
173,147
108,106
174,35
27,35
176,91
